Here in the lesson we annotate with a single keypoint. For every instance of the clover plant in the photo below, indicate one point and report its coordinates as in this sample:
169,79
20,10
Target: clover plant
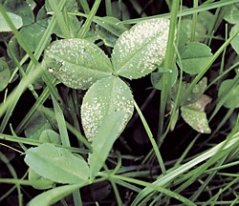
108,104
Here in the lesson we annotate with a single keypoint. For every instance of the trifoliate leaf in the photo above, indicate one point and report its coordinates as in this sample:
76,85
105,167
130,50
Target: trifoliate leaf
77,63
142,49
105,97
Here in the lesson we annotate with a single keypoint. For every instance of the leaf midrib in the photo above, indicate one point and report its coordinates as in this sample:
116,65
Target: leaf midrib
137,52
58,58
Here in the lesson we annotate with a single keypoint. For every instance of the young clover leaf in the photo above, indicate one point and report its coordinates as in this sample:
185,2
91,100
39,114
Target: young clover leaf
15,19
231,13
39,182
229,90
77,63
156,77
142,49
195,57
104,97
57,164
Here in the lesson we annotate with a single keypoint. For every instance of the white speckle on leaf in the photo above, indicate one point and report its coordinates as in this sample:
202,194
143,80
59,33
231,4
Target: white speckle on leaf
77,63
141,49
101,101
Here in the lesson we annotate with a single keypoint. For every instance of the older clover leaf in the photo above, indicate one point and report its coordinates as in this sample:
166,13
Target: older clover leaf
194,115
77,63
106,96
140,50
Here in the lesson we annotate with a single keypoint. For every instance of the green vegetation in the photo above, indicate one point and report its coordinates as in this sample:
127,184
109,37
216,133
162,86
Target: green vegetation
119,102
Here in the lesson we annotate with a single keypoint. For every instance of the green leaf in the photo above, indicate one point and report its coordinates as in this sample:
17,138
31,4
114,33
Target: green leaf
235,41
195,94
40,182
106,96
195,57
120,10
142,49
102,34
156,77
70,5
111,24
185,31
50,136
16,20
108,29
54,195
104,140
21,8
36,125
73,25
194,115
57,164
229,89
77,63
33,33
231,13
197,91
5,74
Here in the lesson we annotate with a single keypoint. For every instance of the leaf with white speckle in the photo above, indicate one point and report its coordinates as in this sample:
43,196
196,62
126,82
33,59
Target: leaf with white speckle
106,96
102,144
77,63
142,49
194,115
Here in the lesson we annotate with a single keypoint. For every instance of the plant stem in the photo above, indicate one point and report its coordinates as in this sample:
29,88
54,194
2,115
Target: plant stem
168,64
